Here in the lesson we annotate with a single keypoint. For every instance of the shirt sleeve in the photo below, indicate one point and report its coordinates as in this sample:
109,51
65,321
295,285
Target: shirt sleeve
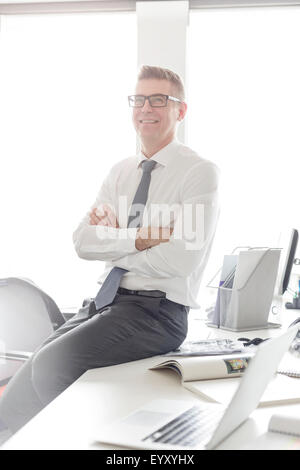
98,242
192,236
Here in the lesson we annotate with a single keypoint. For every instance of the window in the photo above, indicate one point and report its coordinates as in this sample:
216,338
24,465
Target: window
244,101
64,81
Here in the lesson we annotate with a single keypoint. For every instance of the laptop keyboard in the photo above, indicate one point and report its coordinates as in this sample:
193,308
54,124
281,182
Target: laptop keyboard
189,428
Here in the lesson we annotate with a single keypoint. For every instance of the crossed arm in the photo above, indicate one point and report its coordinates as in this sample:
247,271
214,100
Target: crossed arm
151,251
146,237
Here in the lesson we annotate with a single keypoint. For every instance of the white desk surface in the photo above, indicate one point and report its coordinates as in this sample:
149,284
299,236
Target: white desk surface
101,395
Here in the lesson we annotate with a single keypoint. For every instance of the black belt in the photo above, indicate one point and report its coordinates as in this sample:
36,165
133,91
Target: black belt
146,293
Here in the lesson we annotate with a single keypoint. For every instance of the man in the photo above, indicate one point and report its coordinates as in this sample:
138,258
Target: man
153,269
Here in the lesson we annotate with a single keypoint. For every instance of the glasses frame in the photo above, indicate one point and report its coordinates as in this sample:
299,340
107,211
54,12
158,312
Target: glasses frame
171,98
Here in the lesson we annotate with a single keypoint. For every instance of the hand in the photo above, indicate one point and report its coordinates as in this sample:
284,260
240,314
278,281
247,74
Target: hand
147,237
103,216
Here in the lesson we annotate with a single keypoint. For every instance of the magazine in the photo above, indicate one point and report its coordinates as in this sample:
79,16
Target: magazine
208,347
207,367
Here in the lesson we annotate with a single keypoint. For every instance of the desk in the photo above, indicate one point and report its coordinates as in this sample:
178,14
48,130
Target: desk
101,395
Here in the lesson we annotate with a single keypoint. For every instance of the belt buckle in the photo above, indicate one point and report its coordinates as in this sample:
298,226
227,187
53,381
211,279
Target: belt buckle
133,292
124,291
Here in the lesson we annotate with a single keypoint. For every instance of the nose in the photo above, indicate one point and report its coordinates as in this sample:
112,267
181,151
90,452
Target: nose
147,107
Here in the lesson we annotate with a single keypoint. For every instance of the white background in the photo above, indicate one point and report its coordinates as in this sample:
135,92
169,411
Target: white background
64,120
244,102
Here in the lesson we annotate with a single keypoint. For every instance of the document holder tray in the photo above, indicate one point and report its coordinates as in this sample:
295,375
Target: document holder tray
246,305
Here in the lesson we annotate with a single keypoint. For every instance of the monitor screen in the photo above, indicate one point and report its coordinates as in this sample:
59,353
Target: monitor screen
288,262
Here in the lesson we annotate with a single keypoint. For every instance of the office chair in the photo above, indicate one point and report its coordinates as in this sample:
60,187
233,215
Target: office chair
27,317
27,314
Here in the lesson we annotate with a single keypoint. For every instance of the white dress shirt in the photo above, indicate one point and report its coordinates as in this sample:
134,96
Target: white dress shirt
182,179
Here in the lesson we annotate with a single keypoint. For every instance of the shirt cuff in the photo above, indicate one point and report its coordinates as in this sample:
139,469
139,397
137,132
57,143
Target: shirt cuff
125,237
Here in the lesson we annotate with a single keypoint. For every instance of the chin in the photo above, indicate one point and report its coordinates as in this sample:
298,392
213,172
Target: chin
148,133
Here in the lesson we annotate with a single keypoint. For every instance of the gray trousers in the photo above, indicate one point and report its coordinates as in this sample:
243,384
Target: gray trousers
131,328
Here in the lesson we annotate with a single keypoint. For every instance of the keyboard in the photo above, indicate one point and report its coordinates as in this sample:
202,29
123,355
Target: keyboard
190,428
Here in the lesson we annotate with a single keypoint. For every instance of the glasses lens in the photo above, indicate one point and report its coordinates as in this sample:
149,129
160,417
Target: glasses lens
136,101
158,100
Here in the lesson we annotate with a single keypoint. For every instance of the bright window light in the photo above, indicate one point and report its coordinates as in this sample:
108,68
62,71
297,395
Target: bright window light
244,101
64,121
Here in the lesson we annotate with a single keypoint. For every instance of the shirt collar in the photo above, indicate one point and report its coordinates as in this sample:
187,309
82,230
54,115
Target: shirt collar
163,156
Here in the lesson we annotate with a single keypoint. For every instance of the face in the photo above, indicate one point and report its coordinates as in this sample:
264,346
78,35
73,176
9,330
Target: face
157,125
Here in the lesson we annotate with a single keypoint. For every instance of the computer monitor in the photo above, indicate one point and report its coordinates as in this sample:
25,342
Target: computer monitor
288,263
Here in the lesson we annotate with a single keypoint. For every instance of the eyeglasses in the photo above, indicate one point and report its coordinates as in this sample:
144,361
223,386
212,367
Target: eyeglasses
156,101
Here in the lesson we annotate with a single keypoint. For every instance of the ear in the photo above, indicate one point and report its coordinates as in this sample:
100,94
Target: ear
182,111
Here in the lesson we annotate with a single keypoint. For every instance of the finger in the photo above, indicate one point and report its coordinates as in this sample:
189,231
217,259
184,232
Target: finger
111,218
95,212
103,221
98,211
94,219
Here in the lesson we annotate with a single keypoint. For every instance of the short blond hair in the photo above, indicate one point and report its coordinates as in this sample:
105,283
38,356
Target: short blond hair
160,73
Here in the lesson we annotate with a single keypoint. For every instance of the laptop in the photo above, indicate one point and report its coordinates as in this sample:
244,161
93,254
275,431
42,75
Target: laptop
176,424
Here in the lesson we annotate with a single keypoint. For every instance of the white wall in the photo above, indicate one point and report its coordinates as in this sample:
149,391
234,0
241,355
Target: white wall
162,30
